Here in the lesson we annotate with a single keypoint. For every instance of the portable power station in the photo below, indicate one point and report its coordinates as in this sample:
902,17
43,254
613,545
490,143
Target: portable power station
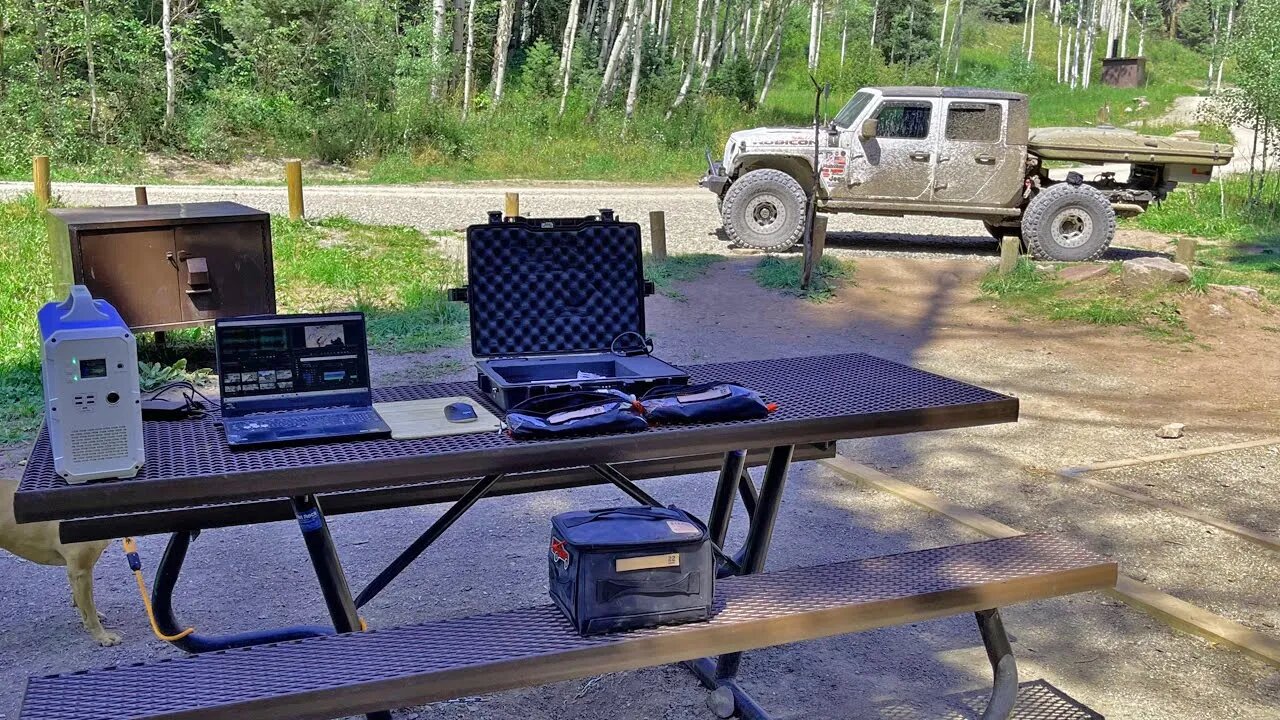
92,402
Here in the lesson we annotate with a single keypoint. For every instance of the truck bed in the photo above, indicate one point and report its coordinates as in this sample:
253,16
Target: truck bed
1116,145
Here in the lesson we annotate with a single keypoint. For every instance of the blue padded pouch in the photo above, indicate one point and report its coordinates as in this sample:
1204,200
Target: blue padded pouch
574,413
707,402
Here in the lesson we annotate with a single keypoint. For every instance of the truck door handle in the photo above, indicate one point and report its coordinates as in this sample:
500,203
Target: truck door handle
920,156
985,159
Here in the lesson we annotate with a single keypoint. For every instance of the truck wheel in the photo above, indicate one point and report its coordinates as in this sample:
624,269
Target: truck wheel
1069,223
764,209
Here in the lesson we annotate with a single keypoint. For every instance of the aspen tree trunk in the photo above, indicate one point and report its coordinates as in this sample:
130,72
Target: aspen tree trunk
776,41
1142,32
637,48
570,37
1031,35
1061,29
88,56
665,31
588,27
1214,47
844,40
1090,42
695,57
875,17
615,57
470,59
607,35
501,41
813,34
459,30
817,48
1026,21
437,45
1075,49
170,75
1124,30
957,37
1231,16
711,46
942,36
566,51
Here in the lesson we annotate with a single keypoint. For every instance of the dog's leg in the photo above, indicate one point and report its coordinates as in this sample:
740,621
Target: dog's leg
80,575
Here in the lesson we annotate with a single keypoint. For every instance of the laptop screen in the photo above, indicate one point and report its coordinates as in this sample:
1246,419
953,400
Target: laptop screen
305,359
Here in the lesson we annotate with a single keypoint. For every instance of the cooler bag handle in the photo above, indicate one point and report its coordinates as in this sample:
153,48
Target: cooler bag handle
609,590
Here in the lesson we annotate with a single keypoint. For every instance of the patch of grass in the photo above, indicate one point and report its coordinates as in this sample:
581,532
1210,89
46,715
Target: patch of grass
677,268
1038,293
1241,239
395,275
25,283
776,273
1208,132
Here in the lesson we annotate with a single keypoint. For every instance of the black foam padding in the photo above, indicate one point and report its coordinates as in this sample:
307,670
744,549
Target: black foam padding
540,287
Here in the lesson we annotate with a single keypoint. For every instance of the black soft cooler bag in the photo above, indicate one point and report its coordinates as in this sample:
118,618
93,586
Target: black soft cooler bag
624,568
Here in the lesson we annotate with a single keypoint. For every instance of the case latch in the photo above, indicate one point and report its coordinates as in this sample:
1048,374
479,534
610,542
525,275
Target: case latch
459,294
649,288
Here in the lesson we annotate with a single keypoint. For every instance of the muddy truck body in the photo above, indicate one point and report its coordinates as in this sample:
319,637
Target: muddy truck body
951,152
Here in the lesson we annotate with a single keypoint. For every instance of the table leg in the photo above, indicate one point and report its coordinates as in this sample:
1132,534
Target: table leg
1004,688
722,506
333,581
728,698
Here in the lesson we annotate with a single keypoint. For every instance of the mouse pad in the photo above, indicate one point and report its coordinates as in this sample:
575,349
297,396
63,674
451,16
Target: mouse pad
413,419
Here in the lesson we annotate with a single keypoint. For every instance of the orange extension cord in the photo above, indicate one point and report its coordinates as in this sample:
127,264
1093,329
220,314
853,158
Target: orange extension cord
135,564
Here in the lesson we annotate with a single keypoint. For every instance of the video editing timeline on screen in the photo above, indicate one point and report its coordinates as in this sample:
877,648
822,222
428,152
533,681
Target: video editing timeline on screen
274,360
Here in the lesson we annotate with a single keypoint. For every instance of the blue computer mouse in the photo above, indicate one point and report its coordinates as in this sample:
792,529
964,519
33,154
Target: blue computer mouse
459,412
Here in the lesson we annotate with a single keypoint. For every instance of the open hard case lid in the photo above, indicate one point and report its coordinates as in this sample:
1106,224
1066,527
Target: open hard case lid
553,286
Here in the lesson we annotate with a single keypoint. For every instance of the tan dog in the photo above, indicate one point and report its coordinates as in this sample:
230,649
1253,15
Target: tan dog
39,543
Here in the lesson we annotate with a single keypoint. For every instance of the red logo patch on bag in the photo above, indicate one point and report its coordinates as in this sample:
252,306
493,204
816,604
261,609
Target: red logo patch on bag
559,553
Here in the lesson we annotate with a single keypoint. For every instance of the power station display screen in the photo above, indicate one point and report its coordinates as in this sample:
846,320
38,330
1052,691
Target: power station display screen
289,358
93,368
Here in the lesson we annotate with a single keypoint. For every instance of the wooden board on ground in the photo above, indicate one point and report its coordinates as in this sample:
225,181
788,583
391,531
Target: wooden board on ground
1173,611
413,419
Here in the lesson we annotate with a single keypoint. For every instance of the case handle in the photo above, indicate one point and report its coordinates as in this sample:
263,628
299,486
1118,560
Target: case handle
459,294
609,590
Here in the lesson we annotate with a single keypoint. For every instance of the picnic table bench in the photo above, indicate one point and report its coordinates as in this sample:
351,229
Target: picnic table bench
192,481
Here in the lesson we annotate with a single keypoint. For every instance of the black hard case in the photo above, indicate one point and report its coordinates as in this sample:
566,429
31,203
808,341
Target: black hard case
548,299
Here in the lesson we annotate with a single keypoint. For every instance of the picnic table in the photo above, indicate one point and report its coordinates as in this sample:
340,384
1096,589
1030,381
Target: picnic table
192,481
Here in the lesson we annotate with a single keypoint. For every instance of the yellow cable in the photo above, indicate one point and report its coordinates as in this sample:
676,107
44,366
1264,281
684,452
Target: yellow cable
131,548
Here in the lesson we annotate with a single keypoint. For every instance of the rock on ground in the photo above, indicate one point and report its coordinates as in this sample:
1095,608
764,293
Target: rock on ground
1154,271
1172,431
1080,273
1240,291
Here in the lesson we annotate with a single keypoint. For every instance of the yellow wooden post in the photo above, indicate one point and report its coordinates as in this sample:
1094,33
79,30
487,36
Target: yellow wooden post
293,178
40,175
1009,249
1186,252
140,195
658,234
511,207
813,251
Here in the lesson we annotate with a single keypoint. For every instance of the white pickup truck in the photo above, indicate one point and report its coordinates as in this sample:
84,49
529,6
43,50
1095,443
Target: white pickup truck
951,152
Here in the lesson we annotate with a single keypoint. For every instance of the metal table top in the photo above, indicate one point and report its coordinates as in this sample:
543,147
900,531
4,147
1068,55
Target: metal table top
188,463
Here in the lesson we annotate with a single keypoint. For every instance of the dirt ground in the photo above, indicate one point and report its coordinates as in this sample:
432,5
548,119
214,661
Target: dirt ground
1088,394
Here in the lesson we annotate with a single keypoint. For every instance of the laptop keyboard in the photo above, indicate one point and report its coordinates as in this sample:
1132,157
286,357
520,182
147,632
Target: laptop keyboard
323,420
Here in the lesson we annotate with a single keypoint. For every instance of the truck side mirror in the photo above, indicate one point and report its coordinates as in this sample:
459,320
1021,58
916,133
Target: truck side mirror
868,130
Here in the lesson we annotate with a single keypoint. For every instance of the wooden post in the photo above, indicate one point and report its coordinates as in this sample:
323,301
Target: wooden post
1186,252
658,234
293,178
140,195
1009,250
511,207
813,250
40,175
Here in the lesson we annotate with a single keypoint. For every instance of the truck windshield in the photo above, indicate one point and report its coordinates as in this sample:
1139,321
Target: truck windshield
852,109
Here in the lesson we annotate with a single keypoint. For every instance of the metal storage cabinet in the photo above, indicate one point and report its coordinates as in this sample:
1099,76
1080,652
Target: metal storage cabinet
167,266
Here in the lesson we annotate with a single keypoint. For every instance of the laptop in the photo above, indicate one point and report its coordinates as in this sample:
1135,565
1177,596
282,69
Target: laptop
295,378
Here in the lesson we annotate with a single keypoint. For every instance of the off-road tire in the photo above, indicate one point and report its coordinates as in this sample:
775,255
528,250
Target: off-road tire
1001,232
1068,223
765,210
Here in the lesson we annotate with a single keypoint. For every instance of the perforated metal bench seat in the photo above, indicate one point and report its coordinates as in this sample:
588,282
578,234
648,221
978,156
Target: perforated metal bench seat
341,675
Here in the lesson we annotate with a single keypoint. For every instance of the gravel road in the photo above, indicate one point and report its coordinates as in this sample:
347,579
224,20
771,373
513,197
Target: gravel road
692,219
